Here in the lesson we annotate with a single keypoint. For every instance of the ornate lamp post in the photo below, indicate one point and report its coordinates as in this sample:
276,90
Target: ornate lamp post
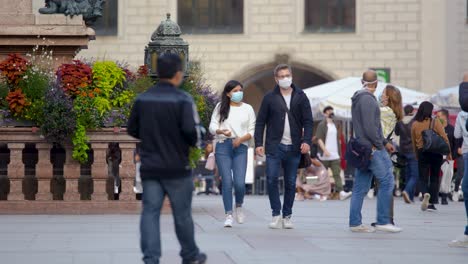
166,39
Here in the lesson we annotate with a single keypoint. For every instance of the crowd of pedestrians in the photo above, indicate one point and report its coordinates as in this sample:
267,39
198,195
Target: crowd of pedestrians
166,121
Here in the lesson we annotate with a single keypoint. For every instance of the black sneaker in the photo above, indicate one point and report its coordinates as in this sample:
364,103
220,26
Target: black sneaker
444,200
200,259
431,208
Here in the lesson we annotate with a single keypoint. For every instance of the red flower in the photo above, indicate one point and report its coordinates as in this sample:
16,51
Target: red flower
13,68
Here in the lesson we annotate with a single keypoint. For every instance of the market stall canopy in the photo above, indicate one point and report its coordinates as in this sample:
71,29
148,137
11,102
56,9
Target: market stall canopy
338,94
447,98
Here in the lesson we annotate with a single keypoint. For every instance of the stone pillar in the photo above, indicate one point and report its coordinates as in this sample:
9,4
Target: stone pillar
44,171
127,171
99,172
71,173
16,171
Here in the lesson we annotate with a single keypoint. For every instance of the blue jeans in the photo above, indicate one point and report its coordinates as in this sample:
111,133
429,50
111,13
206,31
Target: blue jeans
289,159
232,164
465,188
382,168
179,191
411,174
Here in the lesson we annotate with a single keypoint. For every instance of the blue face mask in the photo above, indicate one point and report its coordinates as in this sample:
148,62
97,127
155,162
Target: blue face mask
237,97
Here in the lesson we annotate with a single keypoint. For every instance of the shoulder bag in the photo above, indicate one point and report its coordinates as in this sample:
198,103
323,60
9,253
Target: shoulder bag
433,143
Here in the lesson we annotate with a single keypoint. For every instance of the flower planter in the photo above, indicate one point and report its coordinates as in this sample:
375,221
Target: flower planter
15,123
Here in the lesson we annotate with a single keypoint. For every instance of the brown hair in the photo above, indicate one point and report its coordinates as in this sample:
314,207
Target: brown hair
281,67
394,101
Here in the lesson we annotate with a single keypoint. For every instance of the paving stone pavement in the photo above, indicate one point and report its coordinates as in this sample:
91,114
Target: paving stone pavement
321,236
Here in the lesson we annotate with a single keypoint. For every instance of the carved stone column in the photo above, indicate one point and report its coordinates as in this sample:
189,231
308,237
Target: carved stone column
16,171
99,172
71,173
44,171
127,171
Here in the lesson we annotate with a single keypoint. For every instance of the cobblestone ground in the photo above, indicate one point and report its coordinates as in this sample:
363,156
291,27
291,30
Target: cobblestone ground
321,236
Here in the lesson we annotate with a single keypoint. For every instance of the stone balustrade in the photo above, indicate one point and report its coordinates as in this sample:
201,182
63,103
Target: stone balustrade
36,175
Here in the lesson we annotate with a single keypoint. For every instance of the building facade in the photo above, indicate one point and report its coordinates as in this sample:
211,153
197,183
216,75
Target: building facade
419,44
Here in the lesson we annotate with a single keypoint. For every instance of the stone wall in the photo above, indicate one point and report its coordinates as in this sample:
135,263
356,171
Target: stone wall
388,34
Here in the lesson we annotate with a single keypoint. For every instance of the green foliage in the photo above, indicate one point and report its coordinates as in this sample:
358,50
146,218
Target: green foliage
4,90
34,84
87,112
106,76
124,98
35,112
140,85
80,144
102,105
195,155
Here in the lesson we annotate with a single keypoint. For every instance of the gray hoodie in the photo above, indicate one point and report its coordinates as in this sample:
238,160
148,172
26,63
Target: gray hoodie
365,112
460,130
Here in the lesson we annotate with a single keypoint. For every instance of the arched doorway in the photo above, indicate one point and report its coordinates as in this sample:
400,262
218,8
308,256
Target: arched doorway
258,81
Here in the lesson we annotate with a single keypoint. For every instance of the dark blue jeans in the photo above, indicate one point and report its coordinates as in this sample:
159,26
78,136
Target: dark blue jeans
232,166
289,159
179,191
381,168
465,188
411,174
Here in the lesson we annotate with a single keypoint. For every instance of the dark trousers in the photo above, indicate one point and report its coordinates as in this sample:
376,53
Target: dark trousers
179,191
429,170
287,158
459,174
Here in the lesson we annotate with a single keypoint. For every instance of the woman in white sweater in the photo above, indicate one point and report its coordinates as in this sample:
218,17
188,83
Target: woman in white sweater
233,125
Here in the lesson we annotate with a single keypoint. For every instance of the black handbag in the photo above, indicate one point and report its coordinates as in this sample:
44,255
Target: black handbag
433,143
358,154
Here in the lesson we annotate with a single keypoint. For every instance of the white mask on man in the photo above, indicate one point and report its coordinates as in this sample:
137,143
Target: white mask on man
285,83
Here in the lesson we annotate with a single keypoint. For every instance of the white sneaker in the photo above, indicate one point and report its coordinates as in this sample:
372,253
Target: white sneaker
287,223
240,217
276,222
138,188
370,194
229,221
425,202
460,243
456,196
345,195
362,229
389,228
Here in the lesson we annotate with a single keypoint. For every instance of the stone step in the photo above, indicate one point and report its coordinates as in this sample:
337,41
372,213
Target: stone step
73,207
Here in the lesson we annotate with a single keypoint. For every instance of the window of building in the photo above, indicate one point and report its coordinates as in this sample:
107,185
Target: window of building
330,16
107,25
211,16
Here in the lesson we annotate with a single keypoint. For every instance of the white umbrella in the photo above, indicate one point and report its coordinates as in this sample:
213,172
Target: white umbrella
447,98
338,95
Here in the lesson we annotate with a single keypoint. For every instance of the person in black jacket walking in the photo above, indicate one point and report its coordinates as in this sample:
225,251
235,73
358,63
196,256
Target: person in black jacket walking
286,114
403,130
166,121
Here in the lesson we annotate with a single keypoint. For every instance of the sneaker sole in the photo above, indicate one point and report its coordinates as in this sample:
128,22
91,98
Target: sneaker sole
425,202
227,226
406,197
363,231
388,231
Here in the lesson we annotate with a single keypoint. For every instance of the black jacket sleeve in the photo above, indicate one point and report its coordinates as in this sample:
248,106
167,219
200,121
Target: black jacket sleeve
261,122
133,124
190,123
307,120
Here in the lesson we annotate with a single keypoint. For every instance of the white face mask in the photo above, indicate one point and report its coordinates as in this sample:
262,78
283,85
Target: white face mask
285,83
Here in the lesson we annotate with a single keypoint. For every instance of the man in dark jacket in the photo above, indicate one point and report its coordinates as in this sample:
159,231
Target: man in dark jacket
328,139
287,116
403,130
368,129
166,121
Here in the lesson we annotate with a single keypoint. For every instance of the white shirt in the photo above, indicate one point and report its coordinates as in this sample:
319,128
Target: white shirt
240,121
286,140
331,143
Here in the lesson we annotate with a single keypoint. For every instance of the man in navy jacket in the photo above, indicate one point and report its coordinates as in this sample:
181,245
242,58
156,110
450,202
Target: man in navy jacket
166,121
287,116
